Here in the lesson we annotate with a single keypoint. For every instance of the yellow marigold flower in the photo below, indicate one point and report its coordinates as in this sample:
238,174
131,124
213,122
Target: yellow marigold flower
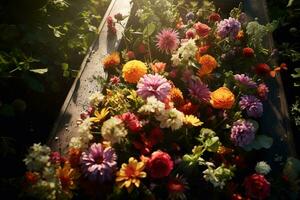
133,71
99,115
111,60
176,96
192,120
208,64
129,175
222,98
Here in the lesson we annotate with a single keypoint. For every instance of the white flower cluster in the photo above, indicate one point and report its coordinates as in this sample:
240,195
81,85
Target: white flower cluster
48,185
37,158
171,118
168,118
262,168
113,130
96,98
219,176
152,106
186,52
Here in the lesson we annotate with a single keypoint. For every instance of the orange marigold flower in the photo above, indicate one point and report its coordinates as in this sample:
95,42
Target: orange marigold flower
222,98
240,35
111,60
130,174
158,67
133,71
176,96
208,64
74,157
67,176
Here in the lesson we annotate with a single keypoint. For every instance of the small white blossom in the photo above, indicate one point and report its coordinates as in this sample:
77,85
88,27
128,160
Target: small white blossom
96,98
113,130
171,118
75,142
262,167
152,106
37,158
188,50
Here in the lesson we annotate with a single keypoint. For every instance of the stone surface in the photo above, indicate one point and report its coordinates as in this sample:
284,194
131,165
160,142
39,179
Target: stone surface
84,85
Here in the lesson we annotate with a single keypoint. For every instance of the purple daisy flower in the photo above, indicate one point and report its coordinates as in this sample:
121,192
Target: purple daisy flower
242,132
167,40
199,91
153,85
252,105
99,163
245,80
228,27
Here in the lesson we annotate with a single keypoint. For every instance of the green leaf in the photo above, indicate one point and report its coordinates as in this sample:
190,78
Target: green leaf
33,83
64,66
39,71
290,3
260,141
149,30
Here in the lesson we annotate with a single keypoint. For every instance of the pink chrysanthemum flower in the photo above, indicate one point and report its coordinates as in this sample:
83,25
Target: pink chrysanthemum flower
153,85
167,40
199,91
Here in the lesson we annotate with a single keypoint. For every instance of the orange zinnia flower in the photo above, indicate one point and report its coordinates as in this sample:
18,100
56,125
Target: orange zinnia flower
208,64
222,98
111,60
158,67
176,96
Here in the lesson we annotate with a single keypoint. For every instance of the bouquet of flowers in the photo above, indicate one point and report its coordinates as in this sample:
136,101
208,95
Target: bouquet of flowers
178,117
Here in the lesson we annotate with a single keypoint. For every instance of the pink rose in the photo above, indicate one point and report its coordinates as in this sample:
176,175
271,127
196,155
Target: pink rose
160,164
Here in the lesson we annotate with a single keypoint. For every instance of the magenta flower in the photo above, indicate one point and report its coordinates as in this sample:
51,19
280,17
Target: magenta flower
242,132
99,163
245,80
199,91
252,105
153,85
131,121
228,27
167,40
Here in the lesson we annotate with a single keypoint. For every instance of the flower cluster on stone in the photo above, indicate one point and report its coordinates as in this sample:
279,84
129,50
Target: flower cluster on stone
176,105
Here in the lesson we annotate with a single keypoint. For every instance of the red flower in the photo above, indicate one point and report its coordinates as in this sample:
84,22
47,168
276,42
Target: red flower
142,48
248,52
214,17
160,164
202,29
31,177
114,80
130,55
131,121
74,155
257,186
262,69
190,34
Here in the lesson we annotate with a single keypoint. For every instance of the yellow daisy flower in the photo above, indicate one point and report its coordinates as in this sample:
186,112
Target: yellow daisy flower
129,175
99,115
192,120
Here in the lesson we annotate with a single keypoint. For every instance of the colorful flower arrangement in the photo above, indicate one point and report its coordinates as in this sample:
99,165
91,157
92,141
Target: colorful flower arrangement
180,126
